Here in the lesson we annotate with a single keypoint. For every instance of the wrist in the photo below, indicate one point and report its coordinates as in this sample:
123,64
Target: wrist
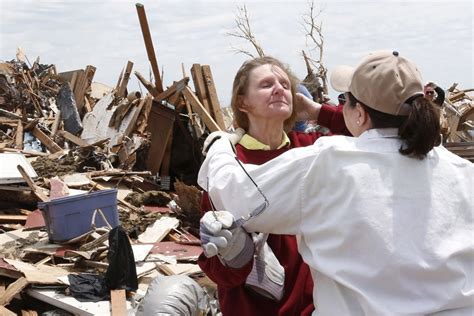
315,111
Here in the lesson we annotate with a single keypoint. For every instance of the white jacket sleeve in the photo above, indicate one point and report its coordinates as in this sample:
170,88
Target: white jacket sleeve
279,179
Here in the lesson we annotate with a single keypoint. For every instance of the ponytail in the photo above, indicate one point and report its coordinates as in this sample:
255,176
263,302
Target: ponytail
421,129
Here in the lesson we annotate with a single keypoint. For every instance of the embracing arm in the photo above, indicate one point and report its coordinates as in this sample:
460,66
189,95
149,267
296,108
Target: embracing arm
279,180
326,115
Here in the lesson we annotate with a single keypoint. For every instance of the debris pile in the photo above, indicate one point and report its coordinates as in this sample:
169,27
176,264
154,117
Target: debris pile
75,153
80,159
457,122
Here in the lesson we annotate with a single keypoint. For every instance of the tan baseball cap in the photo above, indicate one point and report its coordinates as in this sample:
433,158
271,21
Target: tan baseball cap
383,81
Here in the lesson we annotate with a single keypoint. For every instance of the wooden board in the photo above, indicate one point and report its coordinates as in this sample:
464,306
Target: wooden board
214,105
36,190
118,303
199,86
70,304
73,138
19,135
45,140
126,76
160,125
200,110
149,45
12,290
6,312
176,87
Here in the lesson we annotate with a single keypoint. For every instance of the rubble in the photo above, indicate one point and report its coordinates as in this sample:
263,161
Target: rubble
62,135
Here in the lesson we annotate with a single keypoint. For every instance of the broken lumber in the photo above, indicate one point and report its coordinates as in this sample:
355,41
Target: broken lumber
36,190
199,87
118,304
176,87
214,105
200,110
149,45
12,290
124,82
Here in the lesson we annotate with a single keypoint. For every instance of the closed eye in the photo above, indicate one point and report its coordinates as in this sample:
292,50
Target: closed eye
285,84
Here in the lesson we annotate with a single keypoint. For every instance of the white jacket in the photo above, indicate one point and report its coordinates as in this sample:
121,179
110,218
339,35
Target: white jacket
383,234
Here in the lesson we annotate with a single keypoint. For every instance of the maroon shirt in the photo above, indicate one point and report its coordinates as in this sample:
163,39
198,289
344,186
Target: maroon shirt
234,297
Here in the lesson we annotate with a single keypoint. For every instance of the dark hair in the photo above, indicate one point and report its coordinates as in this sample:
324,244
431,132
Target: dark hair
241,82
420,129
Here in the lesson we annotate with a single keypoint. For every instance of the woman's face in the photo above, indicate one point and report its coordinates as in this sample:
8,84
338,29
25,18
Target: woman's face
268,95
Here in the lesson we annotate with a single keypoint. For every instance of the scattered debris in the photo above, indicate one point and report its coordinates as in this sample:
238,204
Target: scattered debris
65,140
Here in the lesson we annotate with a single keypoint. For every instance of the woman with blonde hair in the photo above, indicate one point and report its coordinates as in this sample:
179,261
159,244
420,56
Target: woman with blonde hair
275,281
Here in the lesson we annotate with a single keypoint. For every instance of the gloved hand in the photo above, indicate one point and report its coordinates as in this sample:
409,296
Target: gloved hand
267,276
220,236
234,138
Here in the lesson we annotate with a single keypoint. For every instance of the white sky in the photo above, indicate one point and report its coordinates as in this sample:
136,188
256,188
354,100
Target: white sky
436,35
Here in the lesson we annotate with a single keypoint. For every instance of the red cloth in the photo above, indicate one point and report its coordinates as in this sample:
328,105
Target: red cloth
331,117
234,297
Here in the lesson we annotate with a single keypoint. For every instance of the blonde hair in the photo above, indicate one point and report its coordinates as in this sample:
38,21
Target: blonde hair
241,83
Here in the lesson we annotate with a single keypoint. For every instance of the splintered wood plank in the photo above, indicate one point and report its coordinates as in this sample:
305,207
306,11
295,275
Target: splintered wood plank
56,123
118,305
174,99
19,135
149,46
126,76
200,110
82,90
78,87
176,87
213,100
12,218
12,290
2,286
131,126
48,142
148,85
6,312
36,190
73,138
199,86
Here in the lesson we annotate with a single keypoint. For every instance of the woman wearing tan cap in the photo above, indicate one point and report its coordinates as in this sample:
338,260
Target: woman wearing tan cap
385,218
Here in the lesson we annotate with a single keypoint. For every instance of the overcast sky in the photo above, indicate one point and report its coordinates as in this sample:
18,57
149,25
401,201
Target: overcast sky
436,35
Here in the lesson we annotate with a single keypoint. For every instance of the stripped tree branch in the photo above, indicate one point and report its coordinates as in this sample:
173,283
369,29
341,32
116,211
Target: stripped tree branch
317,78
244,31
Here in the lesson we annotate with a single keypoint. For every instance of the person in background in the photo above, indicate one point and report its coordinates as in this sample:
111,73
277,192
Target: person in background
385,218
434,93
264,275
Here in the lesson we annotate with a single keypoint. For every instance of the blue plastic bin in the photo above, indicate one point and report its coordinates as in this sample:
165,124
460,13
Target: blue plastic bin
71,216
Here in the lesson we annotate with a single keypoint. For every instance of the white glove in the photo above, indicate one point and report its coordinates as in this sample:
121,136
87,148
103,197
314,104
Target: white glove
268,275
234,138
222,237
